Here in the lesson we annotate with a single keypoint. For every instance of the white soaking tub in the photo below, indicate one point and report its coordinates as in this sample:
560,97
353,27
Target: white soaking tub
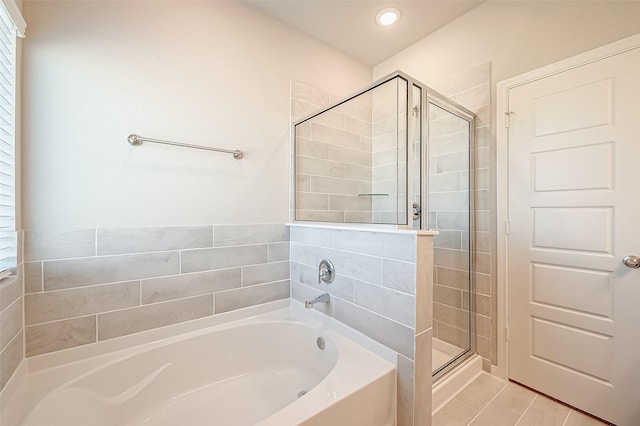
286,367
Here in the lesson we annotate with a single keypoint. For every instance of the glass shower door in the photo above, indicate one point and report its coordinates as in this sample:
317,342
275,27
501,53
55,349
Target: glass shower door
450,206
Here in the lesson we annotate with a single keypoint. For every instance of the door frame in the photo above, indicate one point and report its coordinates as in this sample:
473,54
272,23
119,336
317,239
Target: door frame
502,176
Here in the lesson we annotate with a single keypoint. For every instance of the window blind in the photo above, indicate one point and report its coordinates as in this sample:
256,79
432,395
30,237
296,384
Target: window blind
8,235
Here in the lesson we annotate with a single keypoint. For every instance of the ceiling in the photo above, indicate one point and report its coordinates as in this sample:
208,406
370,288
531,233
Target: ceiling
349,25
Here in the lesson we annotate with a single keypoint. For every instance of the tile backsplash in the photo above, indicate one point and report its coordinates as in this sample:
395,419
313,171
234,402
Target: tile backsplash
88,285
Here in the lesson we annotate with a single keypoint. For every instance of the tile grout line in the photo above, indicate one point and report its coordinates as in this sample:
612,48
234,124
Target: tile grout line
41,278
136,306
170,250
97,331
528,407
487,404
97,314
359,306
152,277
567,418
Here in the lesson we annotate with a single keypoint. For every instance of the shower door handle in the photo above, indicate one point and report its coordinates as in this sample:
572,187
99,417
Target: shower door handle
416,211
631,262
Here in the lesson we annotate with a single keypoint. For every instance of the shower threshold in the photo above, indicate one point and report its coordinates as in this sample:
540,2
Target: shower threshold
445,388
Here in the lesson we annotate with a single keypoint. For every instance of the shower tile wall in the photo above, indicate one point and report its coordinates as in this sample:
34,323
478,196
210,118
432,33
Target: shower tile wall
333,157
11,321
88,285
472,90
381,291
389,153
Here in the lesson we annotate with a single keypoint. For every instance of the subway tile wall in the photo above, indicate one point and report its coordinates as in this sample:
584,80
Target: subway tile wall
382,288
449,196
333,157
87,285
11,320
389,152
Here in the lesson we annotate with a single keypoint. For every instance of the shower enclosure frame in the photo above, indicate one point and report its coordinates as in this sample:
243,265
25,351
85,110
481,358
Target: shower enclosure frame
427,96
435,98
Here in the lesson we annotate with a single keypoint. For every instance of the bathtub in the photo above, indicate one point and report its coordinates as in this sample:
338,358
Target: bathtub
289,366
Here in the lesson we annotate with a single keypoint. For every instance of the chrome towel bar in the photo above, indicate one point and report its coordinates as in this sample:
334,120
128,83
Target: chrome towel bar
137,140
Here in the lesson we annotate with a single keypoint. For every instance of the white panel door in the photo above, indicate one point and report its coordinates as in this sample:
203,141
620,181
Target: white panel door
574,212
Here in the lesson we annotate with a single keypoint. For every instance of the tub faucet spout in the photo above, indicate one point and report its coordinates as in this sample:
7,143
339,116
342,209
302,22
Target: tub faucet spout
323,298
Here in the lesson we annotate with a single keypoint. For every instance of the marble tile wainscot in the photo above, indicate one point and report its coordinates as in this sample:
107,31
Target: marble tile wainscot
87,285
383,288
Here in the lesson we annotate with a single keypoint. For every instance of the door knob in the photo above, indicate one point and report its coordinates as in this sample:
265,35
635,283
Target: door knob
631,261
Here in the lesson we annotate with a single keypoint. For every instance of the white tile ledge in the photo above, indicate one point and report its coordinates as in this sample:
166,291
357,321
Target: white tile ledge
364,228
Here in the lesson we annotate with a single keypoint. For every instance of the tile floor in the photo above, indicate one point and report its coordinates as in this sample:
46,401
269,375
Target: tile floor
489,401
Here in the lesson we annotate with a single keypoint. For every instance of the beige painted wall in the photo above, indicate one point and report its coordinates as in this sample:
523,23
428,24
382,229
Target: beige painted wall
209,73
516,36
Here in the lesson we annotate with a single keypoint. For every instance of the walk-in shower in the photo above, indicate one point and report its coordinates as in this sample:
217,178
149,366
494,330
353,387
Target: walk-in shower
399,154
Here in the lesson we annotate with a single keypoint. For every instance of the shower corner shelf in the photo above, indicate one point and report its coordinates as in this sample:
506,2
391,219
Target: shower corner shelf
373,195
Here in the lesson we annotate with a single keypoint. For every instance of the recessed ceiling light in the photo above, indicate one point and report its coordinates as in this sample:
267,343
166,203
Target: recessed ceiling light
388,16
